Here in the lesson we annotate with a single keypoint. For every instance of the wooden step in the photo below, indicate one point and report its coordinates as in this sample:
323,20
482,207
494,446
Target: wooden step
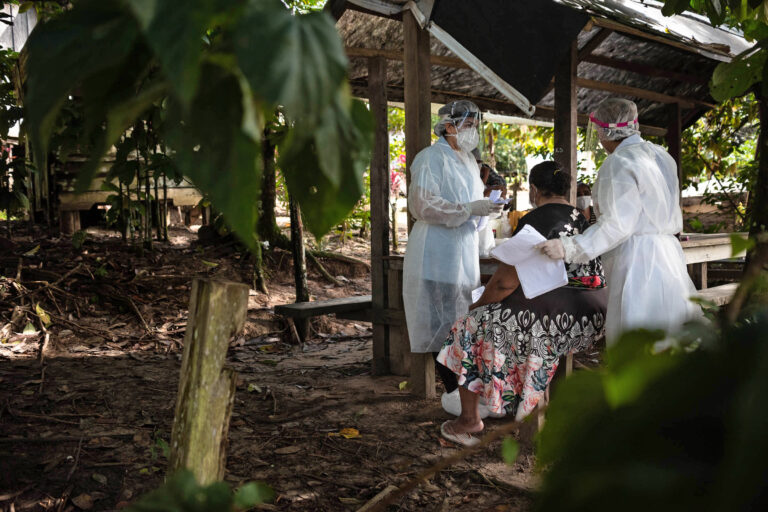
325,307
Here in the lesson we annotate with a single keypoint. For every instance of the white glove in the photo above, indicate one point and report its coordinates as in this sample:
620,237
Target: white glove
482,207
552,248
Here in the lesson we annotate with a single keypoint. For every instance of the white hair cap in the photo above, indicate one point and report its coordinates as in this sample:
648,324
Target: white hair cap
616,111
454,111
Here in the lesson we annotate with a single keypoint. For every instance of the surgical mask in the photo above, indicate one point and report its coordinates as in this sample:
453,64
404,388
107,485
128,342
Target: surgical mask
468,139
583,202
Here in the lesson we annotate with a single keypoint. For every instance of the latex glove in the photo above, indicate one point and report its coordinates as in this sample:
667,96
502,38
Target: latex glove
482,207
552,248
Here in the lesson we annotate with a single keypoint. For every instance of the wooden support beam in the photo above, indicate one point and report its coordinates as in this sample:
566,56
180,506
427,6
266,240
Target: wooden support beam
566,117
501,105
418,120
594,42
217,311
722,54
674,146
644,69
435,60
377,97
626,90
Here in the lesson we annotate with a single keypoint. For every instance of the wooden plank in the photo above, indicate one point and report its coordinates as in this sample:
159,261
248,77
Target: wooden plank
595,41
217,311
618,27
399,342
720,295
422,379
644,69
324,307
698,254
566,116
636,92
435,60
698,273
377,97
418,114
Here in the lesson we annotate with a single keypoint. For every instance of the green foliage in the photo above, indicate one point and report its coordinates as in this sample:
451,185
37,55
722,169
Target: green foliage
79,238
679,430
509,450
181,493
217,71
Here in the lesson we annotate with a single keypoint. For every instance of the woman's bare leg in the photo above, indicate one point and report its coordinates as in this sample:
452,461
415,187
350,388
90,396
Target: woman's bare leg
469,422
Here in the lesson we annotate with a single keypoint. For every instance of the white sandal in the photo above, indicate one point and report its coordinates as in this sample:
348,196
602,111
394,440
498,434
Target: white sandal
463,439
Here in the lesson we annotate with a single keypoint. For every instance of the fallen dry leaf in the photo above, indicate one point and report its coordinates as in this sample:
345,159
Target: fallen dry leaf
83,501
287,450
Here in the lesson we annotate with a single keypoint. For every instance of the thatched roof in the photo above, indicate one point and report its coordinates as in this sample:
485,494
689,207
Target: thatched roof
654,59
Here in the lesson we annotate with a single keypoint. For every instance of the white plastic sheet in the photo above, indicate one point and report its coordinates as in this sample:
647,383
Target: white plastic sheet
538,274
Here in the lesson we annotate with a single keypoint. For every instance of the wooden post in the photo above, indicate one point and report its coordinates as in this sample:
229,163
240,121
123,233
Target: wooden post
217,311
566,116
377,95
399,344
418,120
418,115
299,265
673,140
70,222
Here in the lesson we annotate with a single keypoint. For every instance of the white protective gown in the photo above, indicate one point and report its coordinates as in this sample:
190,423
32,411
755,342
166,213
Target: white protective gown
441,265
638,213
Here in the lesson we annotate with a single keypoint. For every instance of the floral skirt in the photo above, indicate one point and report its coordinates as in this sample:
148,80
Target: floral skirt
508,352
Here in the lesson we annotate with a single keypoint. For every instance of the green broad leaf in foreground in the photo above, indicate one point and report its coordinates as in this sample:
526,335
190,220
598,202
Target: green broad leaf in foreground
173,31
740,244
91,38
324,168
212,149
732,79
294,61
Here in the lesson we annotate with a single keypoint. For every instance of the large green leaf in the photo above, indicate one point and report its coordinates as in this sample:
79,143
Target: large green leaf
324,168
294,61
732,79
215,152
175,33
92,37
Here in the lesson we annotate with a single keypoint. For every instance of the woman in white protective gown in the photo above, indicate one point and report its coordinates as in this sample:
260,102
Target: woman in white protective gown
637,202
441,266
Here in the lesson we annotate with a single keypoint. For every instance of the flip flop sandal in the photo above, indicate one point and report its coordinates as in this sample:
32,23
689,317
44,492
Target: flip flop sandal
462,439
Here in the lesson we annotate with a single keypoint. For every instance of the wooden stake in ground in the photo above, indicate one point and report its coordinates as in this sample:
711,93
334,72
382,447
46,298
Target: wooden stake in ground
217,311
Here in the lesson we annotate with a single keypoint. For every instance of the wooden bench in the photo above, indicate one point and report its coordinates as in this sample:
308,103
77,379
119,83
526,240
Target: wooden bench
349,308
718,295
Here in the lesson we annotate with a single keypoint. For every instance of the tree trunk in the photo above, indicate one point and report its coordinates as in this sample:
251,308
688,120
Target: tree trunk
217,311
165,207
267,224
299,264
122,222
159,222
147,212
259,281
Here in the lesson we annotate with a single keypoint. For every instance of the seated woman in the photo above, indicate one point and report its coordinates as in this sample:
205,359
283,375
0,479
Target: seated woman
507,348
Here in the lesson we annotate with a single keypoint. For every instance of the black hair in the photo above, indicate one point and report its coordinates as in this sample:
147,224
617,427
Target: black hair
580,185
550,179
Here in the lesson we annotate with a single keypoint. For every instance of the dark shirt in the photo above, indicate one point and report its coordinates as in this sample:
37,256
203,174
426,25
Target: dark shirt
554,220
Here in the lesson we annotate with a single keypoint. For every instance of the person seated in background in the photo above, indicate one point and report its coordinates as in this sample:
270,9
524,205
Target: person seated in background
491,179
584,202
506,350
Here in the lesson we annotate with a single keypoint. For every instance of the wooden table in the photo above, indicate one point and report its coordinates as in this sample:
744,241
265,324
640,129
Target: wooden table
698,251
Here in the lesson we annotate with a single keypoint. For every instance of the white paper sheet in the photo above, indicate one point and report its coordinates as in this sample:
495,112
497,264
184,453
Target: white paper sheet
537,272
495,197
477,293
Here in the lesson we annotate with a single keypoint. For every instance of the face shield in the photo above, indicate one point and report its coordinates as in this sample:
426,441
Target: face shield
465,117
597,130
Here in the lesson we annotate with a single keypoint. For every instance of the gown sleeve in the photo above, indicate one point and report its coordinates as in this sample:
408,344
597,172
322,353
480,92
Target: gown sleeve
424,200
618,199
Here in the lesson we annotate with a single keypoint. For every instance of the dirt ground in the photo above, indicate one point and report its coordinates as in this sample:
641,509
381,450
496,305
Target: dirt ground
84,426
